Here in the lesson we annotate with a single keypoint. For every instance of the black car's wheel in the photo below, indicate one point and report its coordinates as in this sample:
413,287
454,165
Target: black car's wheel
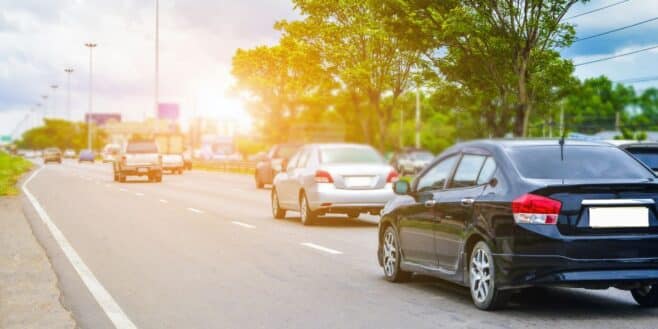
646,296
122,178
307,215
482,275
391,257
277,212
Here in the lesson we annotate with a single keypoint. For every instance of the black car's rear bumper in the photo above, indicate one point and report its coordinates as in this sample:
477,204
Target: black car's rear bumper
516,270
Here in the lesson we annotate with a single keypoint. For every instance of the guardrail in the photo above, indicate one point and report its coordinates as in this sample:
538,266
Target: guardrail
235,166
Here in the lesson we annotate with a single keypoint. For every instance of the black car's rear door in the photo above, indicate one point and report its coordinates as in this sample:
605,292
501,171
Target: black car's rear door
454,210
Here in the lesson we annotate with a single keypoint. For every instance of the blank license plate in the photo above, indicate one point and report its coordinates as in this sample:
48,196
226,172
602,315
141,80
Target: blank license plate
142,170
612,217
358,181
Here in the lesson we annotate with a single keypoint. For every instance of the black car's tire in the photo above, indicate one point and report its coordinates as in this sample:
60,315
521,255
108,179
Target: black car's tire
646,296
158,178
277,212
392,257
307,215
122,178
482,279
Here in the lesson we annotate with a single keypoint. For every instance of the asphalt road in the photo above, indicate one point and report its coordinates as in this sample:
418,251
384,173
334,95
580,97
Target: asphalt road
202,251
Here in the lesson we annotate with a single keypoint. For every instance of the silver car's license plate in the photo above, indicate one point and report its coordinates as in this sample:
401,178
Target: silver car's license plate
618,217
358,181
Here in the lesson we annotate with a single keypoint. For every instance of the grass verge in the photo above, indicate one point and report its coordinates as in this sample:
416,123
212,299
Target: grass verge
11,169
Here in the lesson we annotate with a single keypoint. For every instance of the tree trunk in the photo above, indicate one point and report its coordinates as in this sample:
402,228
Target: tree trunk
523,108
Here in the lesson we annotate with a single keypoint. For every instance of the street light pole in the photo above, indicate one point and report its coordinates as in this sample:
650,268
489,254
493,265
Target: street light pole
54,100
68,93
45,102
157,59
91,47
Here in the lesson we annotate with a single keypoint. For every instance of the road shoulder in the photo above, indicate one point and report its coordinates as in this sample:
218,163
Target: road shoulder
29,292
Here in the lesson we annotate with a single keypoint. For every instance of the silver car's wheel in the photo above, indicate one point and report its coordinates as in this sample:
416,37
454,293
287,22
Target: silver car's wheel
482,275
277,212
306,214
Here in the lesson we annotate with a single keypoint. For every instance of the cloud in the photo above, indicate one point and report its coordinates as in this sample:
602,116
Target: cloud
38,39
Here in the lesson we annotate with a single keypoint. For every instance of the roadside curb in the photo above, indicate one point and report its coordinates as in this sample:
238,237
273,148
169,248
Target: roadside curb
30,295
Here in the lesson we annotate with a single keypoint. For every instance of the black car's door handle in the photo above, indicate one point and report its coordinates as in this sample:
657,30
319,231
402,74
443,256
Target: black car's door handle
430,203
468,202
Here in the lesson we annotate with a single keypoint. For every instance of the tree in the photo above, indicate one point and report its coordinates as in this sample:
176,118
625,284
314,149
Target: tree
368,63
61,134
494,50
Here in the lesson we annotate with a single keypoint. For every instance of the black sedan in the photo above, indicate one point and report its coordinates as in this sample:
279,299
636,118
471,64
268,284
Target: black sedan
501,215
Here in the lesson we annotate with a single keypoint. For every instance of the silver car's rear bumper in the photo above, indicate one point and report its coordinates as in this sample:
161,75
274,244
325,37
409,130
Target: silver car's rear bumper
328,196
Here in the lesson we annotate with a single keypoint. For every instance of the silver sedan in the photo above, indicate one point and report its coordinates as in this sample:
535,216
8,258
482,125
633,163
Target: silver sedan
333,178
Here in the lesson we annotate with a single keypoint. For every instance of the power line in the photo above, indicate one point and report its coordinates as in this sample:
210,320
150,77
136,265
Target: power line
597,9
617,56
616,30
638,80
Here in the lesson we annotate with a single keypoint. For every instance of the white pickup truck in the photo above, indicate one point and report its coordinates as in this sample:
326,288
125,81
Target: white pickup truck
139,158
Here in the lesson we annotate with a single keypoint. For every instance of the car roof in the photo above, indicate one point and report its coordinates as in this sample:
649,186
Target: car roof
509,143
327,145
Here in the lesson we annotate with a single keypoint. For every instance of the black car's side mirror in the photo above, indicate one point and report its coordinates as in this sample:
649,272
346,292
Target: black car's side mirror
401,187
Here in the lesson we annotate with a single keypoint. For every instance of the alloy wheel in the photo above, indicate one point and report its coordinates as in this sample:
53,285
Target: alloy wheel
390,253
481,275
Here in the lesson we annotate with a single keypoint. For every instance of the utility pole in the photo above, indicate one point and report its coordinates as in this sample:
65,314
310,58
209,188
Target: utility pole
45,102
68,71
417,116
54,99
157,59
562,121
91,47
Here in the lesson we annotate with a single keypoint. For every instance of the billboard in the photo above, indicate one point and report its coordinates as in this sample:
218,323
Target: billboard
168,111
101,119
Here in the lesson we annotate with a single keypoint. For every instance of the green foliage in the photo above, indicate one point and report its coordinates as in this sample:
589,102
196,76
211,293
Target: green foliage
11,168
61,134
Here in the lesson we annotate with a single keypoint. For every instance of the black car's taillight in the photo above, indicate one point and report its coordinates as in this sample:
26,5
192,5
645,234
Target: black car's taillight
536,209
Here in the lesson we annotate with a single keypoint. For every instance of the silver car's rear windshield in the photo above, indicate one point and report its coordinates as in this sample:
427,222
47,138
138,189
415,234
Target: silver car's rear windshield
580,162
141,147
343,154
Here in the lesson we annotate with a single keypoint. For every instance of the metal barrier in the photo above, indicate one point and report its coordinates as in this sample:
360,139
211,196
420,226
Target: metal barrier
236,166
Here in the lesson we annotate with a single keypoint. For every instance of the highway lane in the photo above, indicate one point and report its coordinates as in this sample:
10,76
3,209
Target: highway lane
202,251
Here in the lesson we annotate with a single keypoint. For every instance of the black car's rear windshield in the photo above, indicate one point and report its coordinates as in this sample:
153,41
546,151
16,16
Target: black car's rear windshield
141,147
647,155
580,162
350,154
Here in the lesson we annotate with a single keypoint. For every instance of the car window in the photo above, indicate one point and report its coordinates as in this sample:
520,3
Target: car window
487,172
468,170
350,154
303,158
649,156
293,161
580,162
285,151
435,178
141,147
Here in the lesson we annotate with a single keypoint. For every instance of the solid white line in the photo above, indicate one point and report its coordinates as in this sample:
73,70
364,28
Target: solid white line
163,201
195,210
103,298
321,248
245,225
123,189
139,194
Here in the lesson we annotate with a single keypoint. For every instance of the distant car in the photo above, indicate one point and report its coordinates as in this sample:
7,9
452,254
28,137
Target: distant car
411,160
499,216
138,158
69,154
110,152
174,163
647,152
52,154
187,160
270,164
333,178
86,156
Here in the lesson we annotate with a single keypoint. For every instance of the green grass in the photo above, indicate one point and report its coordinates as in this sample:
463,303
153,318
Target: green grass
11,169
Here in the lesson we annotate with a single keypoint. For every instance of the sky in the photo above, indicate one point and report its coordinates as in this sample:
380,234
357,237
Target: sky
40,38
